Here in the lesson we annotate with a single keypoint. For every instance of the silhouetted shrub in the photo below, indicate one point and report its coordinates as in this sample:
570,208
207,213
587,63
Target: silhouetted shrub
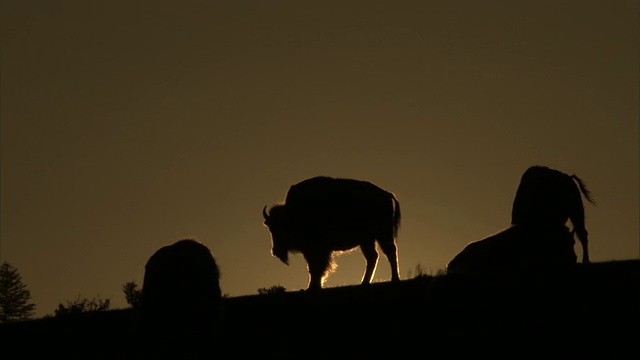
82,304
275,289
132,294
420,271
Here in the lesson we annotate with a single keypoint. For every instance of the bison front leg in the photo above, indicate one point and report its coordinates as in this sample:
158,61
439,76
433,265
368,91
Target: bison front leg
371,255
318,264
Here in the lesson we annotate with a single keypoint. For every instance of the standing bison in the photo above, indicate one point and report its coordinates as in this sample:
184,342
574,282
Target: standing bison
548,196
538,237
324,215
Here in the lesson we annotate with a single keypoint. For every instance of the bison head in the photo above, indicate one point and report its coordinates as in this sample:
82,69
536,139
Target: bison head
277,222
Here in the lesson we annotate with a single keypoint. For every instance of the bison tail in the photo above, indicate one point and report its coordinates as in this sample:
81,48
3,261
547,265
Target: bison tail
396,216
583,189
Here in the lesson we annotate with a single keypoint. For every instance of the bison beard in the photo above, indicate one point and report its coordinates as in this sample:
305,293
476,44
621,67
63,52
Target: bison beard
325,215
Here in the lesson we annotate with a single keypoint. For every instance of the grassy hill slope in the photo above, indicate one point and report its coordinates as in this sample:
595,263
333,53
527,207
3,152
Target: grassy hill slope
593,312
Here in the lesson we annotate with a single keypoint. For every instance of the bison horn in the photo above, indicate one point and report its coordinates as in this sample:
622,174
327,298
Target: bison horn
264,213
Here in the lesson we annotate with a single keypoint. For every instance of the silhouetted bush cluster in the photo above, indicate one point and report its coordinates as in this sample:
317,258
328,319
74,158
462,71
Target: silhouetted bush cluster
82,304
275,289
132,294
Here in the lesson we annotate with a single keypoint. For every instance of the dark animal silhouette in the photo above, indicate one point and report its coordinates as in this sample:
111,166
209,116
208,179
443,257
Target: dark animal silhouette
548,196
519,248
181,300
324,215
538,237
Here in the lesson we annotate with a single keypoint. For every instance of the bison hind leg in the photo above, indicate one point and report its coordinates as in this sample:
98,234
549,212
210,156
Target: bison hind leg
371,255
390,249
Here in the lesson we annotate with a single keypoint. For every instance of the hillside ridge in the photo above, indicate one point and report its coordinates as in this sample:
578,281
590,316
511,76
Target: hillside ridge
596,304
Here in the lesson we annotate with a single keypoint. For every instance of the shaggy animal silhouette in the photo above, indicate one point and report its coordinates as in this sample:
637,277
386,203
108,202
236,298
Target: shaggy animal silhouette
181,300
538,237
519,248
547,196
324,215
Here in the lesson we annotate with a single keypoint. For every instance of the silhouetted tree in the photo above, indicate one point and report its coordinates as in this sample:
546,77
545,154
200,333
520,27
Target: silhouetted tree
15,298
132,294
81,305
275,289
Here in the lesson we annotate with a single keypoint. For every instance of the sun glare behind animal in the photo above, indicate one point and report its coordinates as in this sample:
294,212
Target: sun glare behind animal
324,216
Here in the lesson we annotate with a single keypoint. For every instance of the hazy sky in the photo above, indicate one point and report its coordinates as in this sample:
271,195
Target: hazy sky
129,125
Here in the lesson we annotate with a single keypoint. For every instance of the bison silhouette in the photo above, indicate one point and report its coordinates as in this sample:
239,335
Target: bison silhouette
323,215
181,300
546,199
547,196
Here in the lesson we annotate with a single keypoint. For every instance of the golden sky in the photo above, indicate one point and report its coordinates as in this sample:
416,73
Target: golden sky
128,125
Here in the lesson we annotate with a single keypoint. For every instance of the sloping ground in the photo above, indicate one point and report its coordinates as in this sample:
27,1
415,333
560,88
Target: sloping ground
593,312
594,308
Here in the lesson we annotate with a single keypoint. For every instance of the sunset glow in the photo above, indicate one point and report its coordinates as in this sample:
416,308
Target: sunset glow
128,126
